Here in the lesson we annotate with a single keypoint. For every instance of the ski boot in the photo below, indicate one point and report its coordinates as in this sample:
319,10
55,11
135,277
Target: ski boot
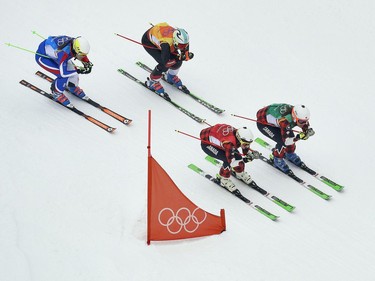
155,86
281,164
294,158
173,79
244,176
77,91
176,81
59,97
226,183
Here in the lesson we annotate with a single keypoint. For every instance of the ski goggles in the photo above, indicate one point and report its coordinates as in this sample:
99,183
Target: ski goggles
244,142
299,120
182,46
302,122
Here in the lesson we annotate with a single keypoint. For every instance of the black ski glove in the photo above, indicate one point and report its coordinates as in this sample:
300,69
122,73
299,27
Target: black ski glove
186,56
86,69
301,136
251,155
310,132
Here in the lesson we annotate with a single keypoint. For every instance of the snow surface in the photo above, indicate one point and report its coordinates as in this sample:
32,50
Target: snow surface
73,197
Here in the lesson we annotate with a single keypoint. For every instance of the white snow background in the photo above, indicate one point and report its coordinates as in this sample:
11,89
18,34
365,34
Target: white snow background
73,197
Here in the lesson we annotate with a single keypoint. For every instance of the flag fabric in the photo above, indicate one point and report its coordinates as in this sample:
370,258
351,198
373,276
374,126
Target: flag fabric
171,215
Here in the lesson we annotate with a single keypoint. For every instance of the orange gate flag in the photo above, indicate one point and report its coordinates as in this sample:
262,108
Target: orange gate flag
171,215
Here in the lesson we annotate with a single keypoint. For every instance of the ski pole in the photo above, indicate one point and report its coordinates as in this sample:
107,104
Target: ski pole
206,142
127,38
247,118
37,34
23,49
186,134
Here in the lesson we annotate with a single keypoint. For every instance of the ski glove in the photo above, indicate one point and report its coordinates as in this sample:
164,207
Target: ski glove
302,136
86,69
186,56
310,132
251,155
305,135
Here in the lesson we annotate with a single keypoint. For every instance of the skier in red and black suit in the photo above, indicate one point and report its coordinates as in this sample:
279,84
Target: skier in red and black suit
276,121
222,142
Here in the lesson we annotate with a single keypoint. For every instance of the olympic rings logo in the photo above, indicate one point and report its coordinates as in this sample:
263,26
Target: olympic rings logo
226,131
283,109
183,219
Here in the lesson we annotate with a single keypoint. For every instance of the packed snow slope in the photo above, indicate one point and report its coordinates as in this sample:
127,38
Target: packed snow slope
73,197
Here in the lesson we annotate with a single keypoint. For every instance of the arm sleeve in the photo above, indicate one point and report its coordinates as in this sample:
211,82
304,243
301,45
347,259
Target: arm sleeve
85,59
62,60
165,53
287,134
228,151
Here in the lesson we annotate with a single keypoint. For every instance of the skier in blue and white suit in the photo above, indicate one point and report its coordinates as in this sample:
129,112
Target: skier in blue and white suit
55,55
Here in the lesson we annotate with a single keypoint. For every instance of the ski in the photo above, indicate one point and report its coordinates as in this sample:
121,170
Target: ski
186,91
322,178
290,174
70,107
236,193
183,110
106,110
256,187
